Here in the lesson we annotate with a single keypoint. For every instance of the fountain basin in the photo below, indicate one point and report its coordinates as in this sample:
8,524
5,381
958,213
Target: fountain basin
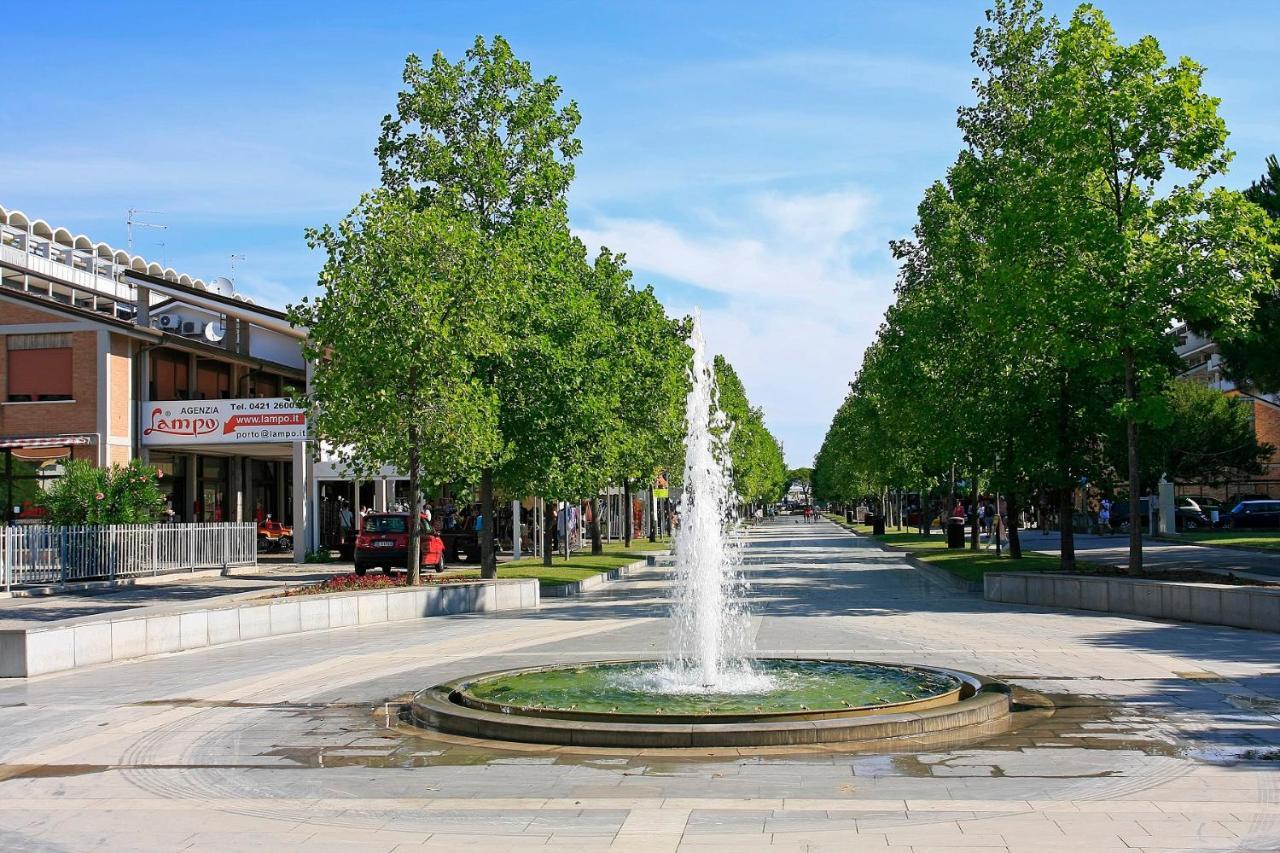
817,701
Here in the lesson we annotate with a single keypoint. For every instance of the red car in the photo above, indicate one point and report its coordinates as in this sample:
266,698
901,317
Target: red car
383,542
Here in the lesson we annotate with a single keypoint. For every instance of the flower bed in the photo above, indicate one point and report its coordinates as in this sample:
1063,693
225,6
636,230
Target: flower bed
357,583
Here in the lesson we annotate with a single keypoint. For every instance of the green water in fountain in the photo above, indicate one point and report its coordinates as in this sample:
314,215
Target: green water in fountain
795,686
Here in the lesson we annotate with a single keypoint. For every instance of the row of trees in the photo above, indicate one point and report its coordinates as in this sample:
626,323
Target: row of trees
759,469
1030,346
464,334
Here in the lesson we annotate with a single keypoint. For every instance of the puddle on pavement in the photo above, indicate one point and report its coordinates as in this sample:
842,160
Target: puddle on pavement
366,735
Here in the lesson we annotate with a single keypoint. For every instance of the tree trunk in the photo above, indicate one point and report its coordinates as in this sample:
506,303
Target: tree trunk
593,526
974,542
1066,532
1015,541
626,521
548,525
488,558
1135,475
653,516
414,556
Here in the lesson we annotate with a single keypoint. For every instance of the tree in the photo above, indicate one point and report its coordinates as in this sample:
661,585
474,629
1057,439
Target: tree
1250,356
1121,129
644,360
1201,436
483,137
759,470
395,339
119,494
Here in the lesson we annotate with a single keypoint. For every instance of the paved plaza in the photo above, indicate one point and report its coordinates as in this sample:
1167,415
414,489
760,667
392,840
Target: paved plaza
1131,735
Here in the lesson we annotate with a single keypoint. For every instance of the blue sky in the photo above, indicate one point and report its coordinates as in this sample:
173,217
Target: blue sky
750,158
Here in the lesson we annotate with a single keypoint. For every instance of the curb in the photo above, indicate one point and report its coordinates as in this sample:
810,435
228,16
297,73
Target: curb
576,588
1249,549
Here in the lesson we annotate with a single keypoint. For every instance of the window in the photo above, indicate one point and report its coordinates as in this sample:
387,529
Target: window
264,385
25,474
170,375
39,368
213,380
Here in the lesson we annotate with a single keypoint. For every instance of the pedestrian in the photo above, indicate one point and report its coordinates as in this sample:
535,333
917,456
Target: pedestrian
1104,516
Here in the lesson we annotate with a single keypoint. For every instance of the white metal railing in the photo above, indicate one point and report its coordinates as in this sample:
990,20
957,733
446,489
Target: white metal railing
41,555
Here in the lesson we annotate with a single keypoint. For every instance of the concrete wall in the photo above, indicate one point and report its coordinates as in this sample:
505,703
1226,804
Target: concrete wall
71,644
1211,604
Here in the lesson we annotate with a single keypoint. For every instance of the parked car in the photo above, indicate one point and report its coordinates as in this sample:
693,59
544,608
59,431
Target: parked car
1190,515
1208,505
274,536
1254,515
1245,496
383,543
1120,513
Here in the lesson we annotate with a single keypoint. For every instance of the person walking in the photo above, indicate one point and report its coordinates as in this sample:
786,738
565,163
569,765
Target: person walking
1104,516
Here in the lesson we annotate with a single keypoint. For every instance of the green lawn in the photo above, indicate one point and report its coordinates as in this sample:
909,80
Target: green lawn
1260,539
970,565
578,566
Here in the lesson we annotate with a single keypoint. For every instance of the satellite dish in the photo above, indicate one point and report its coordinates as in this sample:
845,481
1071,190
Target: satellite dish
215,331
222,286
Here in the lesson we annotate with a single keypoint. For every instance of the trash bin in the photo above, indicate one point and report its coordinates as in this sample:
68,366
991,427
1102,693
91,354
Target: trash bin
955,532
877,525
848,516
867,516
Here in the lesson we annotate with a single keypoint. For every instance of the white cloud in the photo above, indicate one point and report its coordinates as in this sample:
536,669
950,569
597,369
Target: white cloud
796,283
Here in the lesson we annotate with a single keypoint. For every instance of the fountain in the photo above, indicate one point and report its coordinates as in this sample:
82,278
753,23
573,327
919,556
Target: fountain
710,689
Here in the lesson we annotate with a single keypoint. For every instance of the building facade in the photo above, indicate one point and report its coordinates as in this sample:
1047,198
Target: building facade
1203,363
107,357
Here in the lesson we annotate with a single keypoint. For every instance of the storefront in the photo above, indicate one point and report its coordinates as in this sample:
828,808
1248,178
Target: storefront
28,468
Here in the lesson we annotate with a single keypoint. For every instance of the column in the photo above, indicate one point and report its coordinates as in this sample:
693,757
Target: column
380,494
302,520
236,486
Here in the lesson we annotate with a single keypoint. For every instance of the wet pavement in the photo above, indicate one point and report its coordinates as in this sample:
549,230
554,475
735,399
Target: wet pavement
1129,734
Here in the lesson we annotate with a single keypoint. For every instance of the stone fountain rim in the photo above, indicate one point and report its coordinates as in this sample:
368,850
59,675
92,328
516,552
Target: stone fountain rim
989,701
459,694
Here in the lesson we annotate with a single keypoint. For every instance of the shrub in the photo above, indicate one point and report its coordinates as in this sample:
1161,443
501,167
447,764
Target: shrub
120,494
355,583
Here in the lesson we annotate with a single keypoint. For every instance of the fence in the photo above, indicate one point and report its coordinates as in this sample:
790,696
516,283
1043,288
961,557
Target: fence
42,555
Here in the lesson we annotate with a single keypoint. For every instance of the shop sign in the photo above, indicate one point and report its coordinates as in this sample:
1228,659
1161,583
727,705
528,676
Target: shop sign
255,421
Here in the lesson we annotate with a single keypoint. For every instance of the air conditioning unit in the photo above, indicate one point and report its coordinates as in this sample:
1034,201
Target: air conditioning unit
192,327
169,322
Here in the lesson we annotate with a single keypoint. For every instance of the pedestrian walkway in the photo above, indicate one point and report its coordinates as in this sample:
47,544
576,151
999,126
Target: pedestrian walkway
1139,735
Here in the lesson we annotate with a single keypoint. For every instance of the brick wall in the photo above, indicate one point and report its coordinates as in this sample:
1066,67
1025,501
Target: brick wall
119,374
1266,426
77,416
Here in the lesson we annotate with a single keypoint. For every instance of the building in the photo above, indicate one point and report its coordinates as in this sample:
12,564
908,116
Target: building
1203,363
108,357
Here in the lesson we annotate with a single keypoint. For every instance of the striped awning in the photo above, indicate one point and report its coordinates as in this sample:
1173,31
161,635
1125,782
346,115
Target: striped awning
9,442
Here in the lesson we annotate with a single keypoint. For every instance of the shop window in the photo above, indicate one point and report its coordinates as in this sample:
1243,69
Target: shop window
39,368
25,475
170,375
213,380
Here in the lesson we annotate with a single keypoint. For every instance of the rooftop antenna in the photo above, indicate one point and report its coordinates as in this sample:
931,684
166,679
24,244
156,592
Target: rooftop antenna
163,261
133,221
235,258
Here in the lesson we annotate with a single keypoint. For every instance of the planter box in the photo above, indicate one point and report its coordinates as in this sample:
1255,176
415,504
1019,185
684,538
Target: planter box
75,643
1207,603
